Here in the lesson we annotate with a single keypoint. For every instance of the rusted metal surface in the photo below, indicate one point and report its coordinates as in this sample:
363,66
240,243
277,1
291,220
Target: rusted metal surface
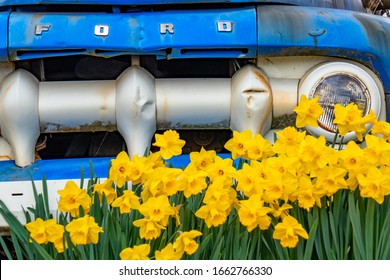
77,106
193,103
135,105
304,31
19,93
251,103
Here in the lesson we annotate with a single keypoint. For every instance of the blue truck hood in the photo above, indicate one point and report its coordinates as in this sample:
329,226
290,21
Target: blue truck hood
353,5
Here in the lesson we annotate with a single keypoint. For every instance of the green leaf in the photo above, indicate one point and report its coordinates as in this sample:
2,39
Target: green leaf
383,249
42,252
5,248
310,242
369,231
202,246
335,236
17,247
356,228
46,197
325,233
217,251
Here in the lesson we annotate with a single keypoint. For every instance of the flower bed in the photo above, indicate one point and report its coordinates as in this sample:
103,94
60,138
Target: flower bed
299,198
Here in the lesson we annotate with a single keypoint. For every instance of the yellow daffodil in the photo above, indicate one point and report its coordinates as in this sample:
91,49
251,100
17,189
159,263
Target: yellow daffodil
288,231
238,144
218,193
149,229
163,181
168,253
219,202
55,234
157,209
308,111
176,213
192,181
107,189
203,159
353,160
140,252
38,229
375,184
84,230
120,169
377,151
253,213
129,200
137,167
280,211
330,179
72,197
315,154
169,143
222,170
288,141
155,160
186,243
308,194
261,169
248,181
47,231
350,118
273,187
214,214
259,148
381,128
143,167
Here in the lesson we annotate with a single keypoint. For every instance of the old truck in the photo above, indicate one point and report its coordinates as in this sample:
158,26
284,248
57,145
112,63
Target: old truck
82,80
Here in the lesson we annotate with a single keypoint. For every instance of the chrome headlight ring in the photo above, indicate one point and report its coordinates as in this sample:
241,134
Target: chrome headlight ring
341,83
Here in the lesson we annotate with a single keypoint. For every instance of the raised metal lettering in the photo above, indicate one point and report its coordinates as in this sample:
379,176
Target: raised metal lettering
102,30
225,26
166,27
39,28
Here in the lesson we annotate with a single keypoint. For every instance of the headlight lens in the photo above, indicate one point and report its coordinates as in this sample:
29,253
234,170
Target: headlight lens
341,83
340,89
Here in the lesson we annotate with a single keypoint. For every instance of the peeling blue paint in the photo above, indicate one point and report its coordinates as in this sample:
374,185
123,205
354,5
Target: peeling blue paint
3,35
288,31
195,34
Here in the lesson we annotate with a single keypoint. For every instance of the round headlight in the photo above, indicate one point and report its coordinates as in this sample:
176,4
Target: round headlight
340,83
339,89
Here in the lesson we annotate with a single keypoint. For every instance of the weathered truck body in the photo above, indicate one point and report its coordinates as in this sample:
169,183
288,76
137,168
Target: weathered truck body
82,80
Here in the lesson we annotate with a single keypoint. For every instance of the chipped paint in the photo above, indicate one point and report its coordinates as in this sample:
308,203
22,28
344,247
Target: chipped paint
306,31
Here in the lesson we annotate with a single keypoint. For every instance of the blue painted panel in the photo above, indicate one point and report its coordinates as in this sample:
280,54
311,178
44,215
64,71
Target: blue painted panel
195,34
355,5
3,35
54,169
70,168
285,31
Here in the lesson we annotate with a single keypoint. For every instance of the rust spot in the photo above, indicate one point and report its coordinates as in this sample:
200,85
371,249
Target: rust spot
8,88
5,158
283,121
94,126
5,231
249,101
261,78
